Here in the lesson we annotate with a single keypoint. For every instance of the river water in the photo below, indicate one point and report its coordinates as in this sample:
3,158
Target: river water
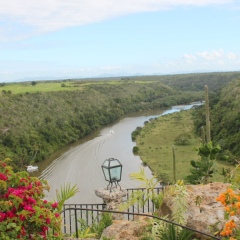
80,163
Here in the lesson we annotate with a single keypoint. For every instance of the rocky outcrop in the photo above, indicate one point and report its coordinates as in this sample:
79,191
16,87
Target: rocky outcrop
204,213
112,199
127,230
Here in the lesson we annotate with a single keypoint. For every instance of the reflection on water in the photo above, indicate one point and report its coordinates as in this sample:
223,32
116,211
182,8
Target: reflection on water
81,162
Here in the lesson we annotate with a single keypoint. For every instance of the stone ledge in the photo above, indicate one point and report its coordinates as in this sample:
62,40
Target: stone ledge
111,195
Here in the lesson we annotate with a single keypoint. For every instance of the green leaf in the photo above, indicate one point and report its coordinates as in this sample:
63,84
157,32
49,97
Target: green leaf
67,191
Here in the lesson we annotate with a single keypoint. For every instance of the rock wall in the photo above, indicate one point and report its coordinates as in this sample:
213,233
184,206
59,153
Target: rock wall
204,213
126,230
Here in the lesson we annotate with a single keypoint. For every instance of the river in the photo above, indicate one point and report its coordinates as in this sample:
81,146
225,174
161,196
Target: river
81,163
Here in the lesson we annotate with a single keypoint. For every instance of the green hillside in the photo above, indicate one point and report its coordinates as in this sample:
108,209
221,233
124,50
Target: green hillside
34,125
37,118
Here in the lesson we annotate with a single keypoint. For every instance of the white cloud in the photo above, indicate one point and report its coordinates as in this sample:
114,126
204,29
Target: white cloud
213,60
51,15
231,56
211,55
189,58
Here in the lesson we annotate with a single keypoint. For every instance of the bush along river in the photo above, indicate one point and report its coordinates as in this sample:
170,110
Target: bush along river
80,163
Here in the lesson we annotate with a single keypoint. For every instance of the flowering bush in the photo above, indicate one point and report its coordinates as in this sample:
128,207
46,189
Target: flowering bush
23,212
231,201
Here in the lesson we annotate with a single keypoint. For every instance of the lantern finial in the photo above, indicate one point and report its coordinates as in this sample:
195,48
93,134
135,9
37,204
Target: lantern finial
112,170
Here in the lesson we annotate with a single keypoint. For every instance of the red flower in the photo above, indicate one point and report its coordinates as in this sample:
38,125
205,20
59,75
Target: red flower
3,177
55,205
23,231
22,217
3,164
2,216
48,221
31,200
10,214
28,208
38,184
57,215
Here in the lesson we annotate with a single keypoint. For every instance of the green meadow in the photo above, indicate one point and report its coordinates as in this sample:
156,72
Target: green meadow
55,86
156,141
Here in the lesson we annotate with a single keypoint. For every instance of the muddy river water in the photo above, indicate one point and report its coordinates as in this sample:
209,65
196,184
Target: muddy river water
80,163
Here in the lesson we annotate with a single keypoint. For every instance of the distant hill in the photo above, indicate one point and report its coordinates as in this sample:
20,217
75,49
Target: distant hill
194,81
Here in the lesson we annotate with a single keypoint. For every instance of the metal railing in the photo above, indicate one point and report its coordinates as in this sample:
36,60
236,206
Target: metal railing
92,213
77,227
138,207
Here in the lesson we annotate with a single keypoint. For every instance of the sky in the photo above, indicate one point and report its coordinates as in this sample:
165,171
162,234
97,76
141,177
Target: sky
59,39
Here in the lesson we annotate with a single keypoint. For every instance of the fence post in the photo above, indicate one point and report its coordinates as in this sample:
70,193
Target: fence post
112,199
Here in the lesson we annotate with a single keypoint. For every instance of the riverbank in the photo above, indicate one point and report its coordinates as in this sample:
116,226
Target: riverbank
155,146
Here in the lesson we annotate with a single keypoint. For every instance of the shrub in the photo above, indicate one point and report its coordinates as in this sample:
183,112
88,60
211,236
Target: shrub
135,150
183,139
23,212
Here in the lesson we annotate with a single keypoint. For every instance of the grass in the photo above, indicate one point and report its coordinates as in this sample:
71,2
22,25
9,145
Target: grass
52,86
17,88
155,146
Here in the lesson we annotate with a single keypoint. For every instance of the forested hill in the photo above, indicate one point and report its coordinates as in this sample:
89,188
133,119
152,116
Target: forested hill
34,125
225,120
196,81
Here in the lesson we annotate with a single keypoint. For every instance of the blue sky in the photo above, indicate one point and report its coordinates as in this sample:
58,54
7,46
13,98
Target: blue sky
57,39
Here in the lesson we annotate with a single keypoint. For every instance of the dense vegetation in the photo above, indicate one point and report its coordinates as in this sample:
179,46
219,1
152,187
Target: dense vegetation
38,118
225,120
34,125
155,139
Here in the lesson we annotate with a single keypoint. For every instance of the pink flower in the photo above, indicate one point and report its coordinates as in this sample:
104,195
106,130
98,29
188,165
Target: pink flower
38,183
3,177
10,214
48,221
23,231
31,200
28,208
18,192
22,217
45,201
55,205
57,215
2,216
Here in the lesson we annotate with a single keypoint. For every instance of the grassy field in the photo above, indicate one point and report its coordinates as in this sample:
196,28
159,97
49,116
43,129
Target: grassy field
155,144
17,88
51,86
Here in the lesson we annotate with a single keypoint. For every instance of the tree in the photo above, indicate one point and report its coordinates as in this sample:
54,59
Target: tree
202,170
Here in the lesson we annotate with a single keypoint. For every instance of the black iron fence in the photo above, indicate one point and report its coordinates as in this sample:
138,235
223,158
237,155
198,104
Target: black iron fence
76,226
138,207
73,214
89,213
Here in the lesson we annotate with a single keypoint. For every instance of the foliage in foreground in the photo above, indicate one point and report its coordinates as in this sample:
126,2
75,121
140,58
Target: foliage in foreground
23,212
176,194
230,199
202,170
96,229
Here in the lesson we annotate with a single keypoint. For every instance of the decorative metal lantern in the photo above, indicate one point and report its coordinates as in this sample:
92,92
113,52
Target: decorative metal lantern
112,170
